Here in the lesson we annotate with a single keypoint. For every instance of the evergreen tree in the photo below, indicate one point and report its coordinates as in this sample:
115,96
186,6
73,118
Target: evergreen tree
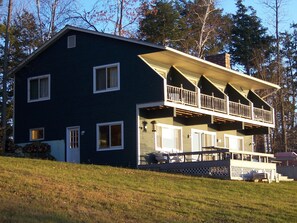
23,41
195,27
161,24
248,37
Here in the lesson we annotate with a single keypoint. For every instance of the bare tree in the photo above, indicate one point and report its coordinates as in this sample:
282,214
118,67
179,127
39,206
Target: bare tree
205,30
207,27
53,14
119,17
275,6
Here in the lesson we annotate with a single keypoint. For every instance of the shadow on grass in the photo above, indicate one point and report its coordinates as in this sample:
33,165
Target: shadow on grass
19,215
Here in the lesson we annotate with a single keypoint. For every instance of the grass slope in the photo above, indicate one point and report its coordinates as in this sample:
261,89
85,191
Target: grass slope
45,191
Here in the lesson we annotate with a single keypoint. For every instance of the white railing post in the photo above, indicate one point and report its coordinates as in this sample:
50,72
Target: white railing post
227,104
198,97
272,116
239,108
212,101
181,94
165,89
252,110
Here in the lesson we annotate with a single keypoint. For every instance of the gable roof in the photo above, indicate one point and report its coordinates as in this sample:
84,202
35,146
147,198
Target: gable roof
166,55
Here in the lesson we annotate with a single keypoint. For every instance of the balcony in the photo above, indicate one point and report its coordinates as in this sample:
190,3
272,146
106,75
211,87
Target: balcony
213,103
221,105
183,96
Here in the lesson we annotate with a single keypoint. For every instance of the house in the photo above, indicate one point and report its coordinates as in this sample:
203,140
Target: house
287,164
103,99
286,158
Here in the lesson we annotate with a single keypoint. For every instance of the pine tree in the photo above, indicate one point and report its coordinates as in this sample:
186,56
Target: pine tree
248,36
161,24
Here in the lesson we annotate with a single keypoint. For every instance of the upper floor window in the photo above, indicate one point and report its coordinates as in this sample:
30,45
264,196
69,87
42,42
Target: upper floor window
39,88
106,78
36,134
110,136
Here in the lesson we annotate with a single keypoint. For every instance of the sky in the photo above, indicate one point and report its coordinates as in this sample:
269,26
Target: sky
288,12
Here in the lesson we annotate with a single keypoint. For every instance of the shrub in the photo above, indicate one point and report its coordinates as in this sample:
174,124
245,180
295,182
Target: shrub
37,147
11,147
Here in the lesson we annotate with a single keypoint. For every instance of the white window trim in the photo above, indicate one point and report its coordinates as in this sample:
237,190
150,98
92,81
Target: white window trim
235,137
49,88
109,89
170,127
30,133
114,147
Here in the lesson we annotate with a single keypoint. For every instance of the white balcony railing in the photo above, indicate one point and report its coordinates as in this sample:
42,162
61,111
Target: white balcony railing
210,102
213,103
263,115
238,109
183,96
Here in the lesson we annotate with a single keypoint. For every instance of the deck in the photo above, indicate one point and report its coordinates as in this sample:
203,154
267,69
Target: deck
212,162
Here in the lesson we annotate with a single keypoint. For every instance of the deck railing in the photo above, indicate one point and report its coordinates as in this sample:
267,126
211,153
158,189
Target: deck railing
207,155
183,96
210,102
213,103
238,109
263,115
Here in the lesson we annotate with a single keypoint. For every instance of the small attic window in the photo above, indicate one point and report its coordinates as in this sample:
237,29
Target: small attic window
71,41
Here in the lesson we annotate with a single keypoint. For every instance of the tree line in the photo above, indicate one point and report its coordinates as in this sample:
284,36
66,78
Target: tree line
198,27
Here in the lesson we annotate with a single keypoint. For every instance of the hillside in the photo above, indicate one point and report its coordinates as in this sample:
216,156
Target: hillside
47,191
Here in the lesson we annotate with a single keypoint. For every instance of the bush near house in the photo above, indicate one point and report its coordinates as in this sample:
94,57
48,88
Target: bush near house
37,150
37,147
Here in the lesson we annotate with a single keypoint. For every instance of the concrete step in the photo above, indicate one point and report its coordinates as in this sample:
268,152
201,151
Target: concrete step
284,178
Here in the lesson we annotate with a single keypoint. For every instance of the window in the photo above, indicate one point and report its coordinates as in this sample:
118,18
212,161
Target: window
106,78
71,41
168,138
39,88
36,134
234,142
110,136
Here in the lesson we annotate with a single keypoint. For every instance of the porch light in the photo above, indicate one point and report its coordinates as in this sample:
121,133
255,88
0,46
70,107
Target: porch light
144,126
154,126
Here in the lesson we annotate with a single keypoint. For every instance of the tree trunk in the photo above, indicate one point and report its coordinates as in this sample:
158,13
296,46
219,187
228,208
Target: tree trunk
4,79
39,20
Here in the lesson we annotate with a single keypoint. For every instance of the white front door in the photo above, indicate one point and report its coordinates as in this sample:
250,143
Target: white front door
73,144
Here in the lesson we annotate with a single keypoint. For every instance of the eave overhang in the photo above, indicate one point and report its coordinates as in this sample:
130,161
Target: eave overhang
170,57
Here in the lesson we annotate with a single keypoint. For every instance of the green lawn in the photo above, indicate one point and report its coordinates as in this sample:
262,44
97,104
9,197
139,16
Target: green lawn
47,191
